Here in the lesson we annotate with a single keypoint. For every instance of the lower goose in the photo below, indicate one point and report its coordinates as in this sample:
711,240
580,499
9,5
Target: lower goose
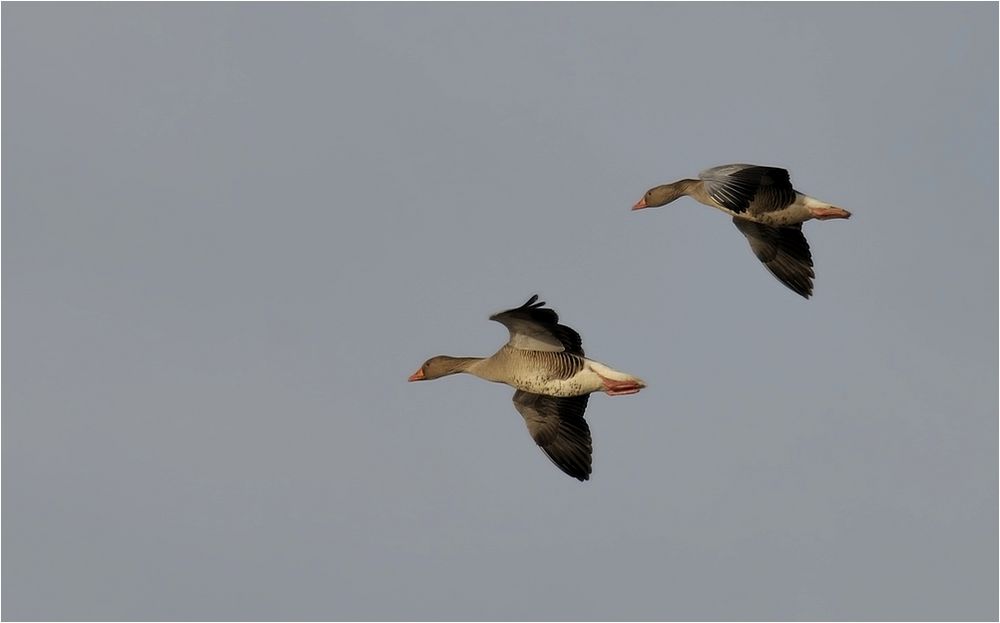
765,208
544,361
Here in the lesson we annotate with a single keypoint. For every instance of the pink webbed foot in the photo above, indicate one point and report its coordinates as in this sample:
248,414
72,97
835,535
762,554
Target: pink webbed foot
620,388
824,214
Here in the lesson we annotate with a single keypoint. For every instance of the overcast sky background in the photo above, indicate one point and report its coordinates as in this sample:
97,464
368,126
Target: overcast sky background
231,231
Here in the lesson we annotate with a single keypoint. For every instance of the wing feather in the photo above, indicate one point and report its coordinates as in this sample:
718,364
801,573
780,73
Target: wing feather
747,187
558,427
533,326
784,251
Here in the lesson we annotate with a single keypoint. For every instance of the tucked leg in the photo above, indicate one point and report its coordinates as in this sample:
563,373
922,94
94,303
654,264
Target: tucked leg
824,214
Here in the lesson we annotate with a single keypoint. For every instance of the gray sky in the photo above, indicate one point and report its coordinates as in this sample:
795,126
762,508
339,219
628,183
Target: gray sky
232,231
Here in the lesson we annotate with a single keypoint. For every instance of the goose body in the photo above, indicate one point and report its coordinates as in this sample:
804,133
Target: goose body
545,363
765,208
559,374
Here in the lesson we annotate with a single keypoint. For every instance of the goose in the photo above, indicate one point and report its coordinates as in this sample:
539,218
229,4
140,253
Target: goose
544,362
765,208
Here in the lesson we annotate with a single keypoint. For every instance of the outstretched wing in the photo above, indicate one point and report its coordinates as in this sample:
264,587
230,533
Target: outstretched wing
558,427
784,251
748,187
535,327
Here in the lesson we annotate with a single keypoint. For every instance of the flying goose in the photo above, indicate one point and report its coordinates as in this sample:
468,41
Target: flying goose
765,208
544,361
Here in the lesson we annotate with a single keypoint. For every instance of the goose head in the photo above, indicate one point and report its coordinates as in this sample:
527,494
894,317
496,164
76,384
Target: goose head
442,365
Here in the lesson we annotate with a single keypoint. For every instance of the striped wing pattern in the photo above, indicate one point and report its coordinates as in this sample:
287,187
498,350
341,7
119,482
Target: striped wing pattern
745,187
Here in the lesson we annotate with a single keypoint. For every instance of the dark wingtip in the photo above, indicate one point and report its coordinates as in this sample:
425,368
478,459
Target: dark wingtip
803,291
531,303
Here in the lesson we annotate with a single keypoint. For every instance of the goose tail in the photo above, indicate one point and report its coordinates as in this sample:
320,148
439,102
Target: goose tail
616,383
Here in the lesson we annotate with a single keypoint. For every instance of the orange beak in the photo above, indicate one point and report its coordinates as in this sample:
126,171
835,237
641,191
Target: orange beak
640,204
418,375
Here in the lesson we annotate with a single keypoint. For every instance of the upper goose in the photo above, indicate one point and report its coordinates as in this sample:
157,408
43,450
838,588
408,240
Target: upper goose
544,360
765,208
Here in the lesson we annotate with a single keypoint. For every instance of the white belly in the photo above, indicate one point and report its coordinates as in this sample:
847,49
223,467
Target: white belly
583,382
